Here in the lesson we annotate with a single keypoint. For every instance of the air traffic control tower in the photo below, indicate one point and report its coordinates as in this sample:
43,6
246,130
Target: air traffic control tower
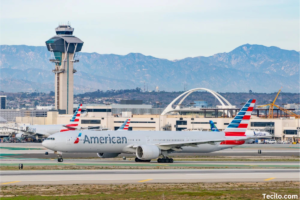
64,46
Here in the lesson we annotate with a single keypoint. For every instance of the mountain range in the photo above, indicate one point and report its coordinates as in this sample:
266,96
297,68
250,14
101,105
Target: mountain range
247,67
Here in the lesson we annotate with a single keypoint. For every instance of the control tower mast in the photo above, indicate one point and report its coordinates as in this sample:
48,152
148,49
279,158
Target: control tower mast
64,46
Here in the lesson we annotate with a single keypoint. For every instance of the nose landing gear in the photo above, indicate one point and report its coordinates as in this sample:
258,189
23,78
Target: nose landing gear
165,160
60,158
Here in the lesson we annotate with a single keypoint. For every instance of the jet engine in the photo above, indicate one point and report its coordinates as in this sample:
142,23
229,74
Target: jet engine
147,152
107,155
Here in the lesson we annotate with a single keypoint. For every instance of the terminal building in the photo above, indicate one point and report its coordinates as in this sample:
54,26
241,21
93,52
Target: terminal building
172,118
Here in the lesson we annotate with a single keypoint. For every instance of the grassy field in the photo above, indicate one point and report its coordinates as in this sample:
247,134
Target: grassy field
151,191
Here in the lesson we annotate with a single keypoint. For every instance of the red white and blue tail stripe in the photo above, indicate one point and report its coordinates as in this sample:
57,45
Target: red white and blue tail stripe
239,124
124,126
74,121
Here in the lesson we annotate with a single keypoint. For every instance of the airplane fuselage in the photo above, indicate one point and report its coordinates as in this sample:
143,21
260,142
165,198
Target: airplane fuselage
125,141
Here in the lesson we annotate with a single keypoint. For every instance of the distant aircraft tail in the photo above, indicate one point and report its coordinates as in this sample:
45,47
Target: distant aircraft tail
213,126
239,124
124,126
74,121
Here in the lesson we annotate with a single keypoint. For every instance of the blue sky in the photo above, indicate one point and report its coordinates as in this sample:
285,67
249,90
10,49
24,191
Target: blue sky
164,29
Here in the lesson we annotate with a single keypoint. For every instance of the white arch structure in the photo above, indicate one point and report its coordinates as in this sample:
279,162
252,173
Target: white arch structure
219,97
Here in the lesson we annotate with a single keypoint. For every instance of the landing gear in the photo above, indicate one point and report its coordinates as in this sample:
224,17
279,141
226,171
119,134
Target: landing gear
165,160
60,158
139,160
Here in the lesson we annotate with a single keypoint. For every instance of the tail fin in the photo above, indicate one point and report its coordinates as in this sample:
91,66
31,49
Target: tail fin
124,126
239,124
213,126
74,121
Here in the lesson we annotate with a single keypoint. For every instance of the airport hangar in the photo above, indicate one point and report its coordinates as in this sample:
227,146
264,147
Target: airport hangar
174,118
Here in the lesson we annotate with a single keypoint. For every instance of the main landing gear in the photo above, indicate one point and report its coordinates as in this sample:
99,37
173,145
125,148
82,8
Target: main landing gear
139,160
165,160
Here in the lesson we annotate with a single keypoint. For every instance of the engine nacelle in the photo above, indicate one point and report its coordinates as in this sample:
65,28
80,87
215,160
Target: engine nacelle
147,152
107,155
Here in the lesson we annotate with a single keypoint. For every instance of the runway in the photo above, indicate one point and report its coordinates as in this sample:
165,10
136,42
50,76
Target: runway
89,169
129,163
145,176
36,150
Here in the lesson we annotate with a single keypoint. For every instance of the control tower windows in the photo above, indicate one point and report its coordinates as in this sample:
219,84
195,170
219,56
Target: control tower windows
64,32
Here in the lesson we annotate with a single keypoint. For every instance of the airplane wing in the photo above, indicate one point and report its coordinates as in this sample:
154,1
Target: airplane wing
177,145
24,131
14,129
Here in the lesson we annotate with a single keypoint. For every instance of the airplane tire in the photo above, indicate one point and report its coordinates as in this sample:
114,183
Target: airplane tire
165,160
60,159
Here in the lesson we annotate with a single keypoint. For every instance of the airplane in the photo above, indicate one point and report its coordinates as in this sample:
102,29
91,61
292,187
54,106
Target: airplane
47,130
213,126
258,134
124,126
147,145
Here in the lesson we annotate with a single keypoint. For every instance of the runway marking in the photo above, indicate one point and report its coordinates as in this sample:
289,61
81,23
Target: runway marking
10,182
145,180
268,179
226,173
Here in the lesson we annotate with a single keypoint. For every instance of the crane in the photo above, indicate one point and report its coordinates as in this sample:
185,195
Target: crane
271,107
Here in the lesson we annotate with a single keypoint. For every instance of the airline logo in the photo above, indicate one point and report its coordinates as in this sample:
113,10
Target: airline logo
213,126
259,134
239,124
125,125
77,139
104,140
74,120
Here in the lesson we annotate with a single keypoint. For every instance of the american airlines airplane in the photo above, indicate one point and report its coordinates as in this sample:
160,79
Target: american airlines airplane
262,134
147,145
47,130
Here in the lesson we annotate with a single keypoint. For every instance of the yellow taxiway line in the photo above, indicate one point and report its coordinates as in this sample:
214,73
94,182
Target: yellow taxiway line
10,182
268,179
145,180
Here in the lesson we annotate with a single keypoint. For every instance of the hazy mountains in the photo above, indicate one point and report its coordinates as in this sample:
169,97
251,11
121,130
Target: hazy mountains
255,67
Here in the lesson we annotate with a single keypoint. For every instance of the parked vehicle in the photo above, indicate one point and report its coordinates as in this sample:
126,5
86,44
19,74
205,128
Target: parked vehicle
272,141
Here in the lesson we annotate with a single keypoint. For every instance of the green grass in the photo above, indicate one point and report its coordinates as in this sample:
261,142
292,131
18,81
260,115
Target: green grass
150,191
21,148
